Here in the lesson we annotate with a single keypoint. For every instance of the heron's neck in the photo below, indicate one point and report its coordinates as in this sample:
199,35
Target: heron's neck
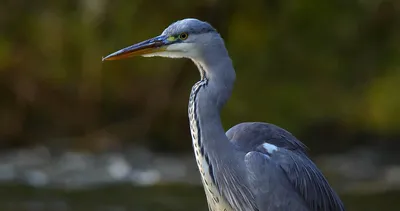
207,99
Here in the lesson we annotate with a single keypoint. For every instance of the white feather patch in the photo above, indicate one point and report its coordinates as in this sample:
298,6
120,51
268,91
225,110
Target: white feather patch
270,148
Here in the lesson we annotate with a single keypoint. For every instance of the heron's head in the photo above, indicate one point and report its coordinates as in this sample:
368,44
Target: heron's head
187,38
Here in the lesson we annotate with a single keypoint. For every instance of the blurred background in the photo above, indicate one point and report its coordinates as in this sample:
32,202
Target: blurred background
78,134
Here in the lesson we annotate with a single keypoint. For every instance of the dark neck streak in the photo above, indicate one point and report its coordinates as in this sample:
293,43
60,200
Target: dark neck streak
206,100
210,143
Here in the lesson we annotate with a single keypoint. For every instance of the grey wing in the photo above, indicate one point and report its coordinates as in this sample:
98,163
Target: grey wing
271,190
279,168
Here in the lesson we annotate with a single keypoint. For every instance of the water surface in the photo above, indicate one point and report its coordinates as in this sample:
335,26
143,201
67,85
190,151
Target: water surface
158,198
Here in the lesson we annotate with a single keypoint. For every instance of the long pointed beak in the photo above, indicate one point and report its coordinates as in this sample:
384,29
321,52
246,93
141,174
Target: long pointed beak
152,45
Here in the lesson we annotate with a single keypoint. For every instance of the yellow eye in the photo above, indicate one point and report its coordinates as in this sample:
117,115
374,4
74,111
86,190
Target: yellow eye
183,36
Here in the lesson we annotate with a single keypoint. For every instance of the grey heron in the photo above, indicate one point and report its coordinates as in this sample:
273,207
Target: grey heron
254,166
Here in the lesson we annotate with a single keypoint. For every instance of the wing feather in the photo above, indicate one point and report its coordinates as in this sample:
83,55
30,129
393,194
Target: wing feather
305,179
272,190
285,173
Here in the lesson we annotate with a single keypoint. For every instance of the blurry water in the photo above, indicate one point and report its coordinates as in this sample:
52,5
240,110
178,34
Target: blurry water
160,198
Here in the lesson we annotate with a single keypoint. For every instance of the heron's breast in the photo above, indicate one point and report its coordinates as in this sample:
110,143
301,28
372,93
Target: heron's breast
216,202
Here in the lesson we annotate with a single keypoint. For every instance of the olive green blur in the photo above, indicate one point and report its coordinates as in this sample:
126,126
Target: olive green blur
327,66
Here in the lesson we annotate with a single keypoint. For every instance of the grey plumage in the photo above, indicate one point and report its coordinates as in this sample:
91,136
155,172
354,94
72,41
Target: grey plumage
253,166
290,160
189,25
